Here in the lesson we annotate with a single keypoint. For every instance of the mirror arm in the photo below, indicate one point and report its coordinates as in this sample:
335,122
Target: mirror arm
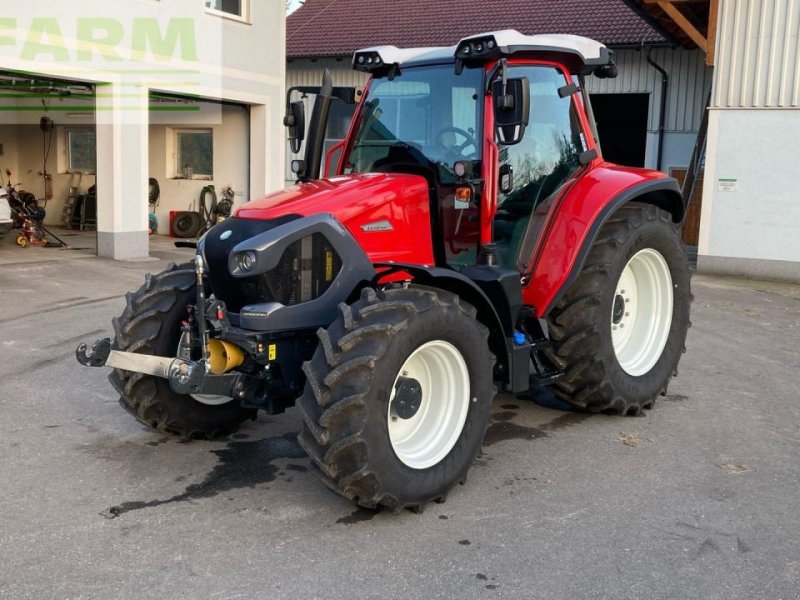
499,66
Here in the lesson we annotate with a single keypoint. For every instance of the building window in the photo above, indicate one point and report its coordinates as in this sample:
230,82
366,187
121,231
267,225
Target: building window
81,150
228,8
195,155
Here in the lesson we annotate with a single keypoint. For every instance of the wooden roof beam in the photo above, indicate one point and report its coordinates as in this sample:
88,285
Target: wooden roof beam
681,21
706,43
713,10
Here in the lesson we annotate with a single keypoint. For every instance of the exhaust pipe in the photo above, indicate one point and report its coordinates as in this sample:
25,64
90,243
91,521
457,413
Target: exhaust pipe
317,127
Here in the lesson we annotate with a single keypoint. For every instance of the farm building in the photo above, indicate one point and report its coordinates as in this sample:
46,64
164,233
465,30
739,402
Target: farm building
741,219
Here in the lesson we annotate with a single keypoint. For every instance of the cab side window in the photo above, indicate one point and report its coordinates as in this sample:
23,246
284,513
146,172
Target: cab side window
545,159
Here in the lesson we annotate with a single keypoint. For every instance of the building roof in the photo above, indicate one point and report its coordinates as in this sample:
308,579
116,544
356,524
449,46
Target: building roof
696,12
325,28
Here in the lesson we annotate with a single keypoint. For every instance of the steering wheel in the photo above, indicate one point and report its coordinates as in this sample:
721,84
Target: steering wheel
457,149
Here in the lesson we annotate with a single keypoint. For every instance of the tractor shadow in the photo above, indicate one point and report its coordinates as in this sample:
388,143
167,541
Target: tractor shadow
240,464
507,410
245,462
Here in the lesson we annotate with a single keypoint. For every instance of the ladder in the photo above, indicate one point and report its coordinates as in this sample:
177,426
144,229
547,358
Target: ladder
75,178
698,158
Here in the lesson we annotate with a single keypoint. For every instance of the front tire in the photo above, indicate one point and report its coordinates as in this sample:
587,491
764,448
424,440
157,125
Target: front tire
620,330
397,398
151,324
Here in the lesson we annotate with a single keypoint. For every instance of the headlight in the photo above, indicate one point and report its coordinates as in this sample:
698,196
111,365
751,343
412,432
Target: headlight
247,261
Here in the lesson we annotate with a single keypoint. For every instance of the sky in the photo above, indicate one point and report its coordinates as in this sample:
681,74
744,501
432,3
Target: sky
293,5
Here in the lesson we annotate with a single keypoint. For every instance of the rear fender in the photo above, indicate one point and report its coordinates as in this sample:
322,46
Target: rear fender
577,224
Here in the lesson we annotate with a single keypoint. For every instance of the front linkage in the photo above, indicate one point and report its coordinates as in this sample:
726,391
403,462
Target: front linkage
218,348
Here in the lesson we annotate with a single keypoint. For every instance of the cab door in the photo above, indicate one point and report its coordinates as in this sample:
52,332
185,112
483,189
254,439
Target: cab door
542,163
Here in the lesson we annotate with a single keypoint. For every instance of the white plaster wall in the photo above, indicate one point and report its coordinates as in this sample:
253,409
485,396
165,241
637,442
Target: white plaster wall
760,219
254,47
232,60
29,168
23,155
231,167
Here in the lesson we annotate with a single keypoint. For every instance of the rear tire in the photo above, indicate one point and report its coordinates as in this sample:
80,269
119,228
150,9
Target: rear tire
151,324
640,248
349,403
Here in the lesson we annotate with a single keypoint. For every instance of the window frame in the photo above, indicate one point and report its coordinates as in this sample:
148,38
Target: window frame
68,131
242,18
177,132
363,112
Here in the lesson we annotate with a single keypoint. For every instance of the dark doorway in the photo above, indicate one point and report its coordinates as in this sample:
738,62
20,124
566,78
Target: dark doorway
622,126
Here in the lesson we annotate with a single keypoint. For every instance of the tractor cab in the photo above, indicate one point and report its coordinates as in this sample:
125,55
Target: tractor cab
497,125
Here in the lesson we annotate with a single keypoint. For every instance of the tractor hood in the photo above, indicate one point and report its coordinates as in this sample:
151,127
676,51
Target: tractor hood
388,214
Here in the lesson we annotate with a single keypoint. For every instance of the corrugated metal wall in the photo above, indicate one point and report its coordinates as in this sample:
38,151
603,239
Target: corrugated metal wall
758,62
689,83
307,72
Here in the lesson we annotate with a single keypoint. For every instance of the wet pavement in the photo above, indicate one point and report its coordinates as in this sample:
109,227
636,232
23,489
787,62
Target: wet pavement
696,499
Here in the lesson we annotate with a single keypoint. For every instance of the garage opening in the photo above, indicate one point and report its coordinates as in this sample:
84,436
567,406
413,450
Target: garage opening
622,126
199,163
48,163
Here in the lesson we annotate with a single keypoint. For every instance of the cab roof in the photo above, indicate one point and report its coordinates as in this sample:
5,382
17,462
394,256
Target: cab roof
581,53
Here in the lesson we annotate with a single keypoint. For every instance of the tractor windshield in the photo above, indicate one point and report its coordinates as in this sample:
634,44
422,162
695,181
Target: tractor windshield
425,117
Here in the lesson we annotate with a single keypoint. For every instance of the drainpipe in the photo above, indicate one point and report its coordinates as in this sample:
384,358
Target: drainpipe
662,108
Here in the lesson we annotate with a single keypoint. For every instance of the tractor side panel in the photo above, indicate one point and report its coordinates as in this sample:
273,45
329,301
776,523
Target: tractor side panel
571,223
388,214
398,230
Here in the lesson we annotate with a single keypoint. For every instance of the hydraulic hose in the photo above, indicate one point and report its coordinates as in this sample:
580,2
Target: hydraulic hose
209,214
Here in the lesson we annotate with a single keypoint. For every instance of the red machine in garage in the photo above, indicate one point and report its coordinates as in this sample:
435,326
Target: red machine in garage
472,237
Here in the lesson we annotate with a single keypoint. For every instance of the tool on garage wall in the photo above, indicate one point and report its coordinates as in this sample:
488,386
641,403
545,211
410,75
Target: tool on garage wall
47,126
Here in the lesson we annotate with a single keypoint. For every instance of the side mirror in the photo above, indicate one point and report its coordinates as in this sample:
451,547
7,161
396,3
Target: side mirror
295,122
512,102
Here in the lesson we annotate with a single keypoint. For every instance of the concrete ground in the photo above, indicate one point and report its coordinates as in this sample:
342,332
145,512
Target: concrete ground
697,499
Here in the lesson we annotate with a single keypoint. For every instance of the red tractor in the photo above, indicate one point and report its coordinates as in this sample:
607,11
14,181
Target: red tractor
470,238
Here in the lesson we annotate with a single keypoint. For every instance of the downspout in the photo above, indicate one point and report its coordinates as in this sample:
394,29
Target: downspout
663,106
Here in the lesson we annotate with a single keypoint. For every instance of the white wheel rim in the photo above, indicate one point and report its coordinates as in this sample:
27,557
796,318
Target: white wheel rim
641,312
185,352
424,439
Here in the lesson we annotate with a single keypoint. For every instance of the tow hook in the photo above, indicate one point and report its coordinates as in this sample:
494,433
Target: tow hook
96,356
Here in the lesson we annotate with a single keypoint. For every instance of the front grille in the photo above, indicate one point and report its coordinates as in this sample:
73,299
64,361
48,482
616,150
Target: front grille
304,272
